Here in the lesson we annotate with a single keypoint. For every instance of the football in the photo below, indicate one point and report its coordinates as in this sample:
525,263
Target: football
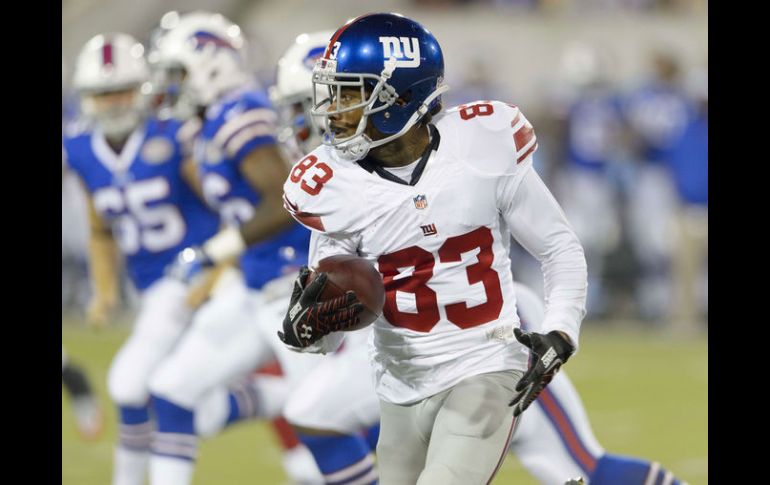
348,272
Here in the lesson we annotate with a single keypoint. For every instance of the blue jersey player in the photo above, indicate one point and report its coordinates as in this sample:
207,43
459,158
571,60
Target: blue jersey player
593,134
658,113
141,202
242,169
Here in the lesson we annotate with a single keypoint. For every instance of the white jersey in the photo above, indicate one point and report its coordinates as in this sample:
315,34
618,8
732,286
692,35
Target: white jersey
442,246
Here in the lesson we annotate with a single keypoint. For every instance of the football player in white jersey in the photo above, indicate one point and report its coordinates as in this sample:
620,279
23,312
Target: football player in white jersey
554,442
433,205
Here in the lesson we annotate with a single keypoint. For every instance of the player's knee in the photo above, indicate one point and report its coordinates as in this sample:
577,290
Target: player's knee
166,382
181,379
126,388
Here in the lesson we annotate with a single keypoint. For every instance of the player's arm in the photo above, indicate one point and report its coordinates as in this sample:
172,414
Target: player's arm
538,223
189,173
103,268
200,292
188,169
260,161
265,169
252,148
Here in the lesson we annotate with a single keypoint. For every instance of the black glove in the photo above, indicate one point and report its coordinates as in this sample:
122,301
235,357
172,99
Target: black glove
551,350
307,319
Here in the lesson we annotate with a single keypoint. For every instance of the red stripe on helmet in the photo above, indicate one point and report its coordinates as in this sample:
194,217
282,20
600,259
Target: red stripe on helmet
107,54
340,31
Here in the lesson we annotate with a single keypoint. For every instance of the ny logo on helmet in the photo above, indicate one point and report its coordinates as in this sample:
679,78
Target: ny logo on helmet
407,54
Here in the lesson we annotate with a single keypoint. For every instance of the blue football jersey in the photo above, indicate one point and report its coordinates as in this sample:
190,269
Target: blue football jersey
140,192
594,128
659,115
689,162
236,125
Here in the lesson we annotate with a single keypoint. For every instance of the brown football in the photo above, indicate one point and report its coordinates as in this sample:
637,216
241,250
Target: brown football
348,272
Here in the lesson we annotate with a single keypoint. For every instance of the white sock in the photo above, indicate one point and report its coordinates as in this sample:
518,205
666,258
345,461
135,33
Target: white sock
129,466
211,413
300,466
273,392
165,470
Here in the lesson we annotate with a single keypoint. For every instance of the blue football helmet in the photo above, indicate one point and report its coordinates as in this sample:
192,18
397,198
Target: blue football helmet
388,57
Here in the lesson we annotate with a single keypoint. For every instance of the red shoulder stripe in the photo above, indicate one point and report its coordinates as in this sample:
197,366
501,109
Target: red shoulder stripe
309,220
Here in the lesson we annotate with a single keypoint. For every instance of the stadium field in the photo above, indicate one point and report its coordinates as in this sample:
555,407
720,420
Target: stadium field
646,394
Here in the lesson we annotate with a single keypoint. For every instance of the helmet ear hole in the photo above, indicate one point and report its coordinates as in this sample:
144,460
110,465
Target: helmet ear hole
405,98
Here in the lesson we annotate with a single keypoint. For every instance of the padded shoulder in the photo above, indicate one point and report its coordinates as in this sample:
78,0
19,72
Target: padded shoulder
494,137
320,193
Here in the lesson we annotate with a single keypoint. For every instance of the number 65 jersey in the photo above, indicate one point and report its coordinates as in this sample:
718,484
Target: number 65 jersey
440,239
140,193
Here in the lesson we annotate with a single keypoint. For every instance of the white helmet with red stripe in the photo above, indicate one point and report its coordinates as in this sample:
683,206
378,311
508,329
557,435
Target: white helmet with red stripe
292,94
211,49
109,73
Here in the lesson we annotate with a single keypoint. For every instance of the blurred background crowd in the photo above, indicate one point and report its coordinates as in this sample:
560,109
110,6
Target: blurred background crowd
617,91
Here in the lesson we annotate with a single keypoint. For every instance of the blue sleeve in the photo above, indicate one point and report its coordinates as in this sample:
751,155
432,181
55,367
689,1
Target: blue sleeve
69,156
253,126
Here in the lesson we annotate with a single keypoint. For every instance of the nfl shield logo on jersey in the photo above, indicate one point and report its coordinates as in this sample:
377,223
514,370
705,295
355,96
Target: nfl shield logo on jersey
420,202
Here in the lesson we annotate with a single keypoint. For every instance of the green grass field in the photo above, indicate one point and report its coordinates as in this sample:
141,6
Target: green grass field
646,395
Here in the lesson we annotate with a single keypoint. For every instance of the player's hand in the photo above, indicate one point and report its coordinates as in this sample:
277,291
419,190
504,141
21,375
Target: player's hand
189,265
550,350
100,310
198,293
308,320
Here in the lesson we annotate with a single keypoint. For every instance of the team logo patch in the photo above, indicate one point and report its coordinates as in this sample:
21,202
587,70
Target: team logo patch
203,38
406,50
420,202
157,150
429,230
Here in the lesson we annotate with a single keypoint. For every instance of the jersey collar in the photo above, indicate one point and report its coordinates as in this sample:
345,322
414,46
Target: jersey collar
372,166
117,163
